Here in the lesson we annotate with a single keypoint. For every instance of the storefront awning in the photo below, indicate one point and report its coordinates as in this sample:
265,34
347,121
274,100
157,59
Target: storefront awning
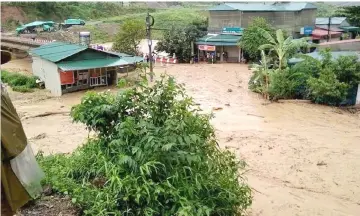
351,29
321,33
219,40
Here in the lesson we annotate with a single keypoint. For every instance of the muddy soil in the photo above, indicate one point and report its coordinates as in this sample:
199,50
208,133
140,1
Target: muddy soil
303,159
53,205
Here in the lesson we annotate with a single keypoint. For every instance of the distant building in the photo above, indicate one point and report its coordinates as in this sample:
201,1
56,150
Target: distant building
228,20
66,67
290,16
337,24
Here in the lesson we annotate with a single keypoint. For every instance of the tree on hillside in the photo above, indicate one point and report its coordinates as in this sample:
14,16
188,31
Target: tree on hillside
352,13
252,38
281,47
325,9
129,37
179,40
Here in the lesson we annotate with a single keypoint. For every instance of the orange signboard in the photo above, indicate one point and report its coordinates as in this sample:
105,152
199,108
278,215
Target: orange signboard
207,48
66,77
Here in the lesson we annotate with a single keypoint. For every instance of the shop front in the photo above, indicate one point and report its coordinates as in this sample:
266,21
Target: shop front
219,48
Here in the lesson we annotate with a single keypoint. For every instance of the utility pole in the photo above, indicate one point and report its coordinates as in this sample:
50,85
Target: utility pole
150,22
328,37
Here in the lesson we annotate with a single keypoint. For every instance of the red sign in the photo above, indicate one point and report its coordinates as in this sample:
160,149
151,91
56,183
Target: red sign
66,77
207,48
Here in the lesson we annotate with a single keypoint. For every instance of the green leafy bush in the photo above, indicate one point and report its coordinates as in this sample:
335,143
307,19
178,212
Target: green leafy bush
252,37
283,84
154,155
327,89
347,69
19,82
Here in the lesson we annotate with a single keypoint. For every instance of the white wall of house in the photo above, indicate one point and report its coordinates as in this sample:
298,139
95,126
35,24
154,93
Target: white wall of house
358,95
48,72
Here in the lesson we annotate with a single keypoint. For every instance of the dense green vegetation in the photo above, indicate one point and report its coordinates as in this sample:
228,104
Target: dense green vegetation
58,11
352,13
154,154
326,81
252,38
179,40
19,82
129,37
325,10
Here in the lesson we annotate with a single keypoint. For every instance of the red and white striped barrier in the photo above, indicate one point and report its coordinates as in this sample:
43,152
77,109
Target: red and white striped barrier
44,41
167,60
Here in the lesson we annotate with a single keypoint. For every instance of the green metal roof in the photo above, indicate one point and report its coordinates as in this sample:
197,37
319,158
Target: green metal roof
219,40
97,63
88,64
57,51
350,28
334,54
74,21
268,6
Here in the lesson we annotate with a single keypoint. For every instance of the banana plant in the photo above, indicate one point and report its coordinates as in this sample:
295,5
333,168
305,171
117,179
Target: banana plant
260,79
281,47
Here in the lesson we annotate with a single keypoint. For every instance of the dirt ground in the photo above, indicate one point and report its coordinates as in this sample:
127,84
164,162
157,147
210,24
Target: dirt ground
303,159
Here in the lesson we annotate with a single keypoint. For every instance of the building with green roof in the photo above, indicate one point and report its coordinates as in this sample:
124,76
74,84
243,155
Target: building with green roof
67,67
223,46
290,16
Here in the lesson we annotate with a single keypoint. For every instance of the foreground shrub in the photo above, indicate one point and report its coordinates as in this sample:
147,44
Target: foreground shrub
283,84
19,82
327,89
154,155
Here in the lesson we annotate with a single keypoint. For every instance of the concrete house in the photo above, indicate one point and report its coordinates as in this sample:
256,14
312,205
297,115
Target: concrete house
290,16
337,24
66,67
228,20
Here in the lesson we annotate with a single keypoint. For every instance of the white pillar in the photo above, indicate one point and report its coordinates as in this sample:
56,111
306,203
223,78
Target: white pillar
239,55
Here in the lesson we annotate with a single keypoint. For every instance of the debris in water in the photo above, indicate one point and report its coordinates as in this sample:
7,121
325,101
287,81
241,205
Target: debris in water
40,136
321,163
255,115
217,108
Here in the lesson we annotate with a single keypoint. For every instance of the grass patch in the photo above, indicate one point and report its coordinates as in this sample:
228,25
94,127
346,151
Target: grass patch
19,82
164,19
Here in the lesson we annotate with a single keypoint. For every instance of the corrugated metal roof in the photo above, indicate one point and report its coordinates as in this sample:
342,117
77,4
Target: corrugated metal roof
88,64
335,55
98,63
325,20
57,51
219,40
38,23
74,21
257,6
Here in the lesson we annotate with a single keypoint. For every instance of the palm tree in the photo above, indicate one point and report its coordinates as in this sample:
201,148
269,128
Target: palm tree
283,48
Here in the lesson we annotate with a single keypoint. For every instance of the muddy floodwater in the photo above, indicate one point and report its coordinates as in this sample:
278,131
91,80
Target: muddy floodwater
303,159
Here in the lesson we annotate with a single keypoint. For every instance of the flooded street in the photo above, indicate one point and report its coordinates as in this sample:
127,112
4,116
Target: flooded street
303,159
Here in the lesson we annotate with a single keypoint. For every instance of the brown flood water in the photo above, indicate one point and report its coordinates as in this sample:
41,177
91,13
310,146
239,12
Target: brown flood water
303,159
